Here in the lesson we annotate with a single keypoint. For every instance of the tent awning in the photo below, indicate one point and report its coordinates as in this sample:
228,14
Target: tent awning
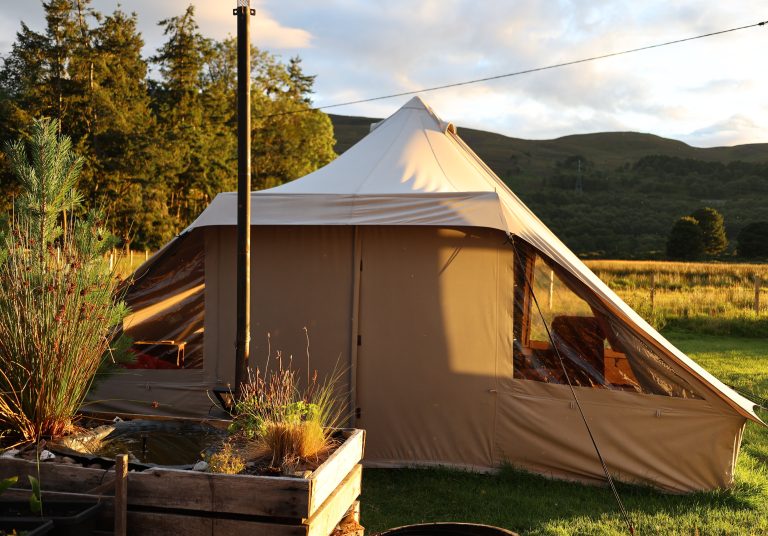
472,209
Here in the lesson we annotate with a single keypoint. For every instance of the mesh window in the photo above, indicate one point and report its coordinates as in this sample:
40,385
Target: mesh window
557,318
167,306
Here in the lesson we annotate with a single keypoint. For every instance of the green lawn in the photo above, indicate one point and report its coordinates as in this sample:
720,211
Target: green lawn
533,505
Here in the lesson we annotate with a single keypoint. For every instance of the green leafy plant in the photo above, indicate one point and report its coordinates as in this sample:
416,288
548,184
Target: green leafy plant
7,483
284,420
58,304
35,500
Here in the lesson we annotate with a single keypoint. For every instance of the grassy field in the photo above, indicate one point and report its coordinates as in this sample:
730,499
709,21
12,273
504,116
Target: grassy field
126,263
532,505
706,298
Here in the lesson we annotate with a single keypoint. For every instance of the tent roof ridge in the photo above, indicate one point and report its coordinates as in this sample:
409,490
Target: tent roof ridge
417,103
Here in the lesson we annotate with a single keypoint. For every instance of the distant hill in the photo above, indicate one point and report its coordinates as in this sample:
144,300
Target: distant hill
615,194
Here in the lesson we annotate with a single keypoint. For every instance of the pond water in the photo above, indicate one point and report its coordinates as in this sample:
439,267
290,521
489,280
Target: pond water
162,442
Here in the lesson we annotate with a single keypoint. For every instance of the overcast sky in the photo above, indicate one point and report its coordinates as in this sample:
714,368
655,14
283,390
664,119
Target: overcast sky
706,92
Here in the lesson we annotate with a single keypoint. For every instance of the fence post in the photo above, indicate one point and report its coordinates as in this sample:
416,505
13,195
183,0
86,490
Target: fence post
146,255
121,495
758,281
111,260
653,290
551,287
130,260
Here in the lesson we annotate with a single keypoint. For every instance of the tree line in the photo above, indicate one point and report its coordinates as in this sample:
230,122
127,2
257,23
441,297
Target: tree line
603,211
158,134
702,234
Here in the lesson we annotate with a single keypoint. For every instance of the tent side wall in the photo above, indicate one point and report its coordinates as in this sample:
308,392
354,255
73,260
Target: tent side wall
435,326
434,309
433,318
678,444
301,299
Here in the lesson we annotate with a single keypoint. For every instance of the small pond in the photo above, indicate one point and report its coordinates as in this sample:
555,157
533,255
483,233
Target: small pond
173,443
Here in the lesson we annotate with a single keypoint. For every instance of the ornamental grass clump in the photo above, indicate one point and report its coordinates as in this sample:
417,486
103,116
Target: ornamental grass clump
58,304
285,422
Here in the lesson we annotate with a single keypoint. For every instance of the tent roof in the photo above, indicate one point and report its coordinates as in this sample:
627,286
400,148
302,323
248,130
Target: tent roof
413,169
411,151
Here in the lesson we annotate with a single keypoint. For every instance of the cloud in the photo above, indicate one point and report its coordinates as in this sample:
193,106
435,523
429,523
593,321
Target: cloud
734,130
215,20
361,49
397,47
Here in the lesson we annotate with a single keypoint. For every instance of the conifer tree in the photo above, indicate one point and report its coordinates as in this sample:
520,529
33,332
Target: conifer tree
712,229
753,240
68,57
121,132
686,241
289,139
155,152
178,102
220,121
23,82
59,301
49,75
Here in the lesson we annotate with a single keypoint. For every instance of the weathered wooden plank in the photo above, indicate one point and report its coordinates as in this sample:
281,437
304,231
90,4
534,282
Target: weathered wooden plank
315,504
229,494
23,494
337,505
153,523
55,476
321,524
327,477
165,524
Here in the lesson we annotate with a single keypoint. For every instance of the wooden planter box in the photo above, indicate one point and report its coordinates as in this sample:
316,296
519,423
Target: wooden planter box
168,501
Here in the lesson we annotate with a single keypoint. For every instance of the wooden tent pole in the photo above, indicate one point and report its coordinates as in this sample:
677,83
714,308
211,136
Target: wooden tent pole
243,337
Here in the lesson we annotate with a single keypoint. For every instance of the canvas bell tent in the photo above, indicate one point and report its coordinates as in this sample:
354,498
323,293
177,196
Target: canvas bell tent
460,318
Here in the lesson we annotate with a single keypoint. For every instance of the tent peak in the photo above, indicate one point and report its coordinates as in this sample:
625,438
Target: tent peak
417,103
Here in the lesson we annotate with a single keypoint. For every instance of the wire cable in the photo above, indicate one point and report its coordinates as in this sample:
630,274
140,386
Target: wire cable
517,73
529,285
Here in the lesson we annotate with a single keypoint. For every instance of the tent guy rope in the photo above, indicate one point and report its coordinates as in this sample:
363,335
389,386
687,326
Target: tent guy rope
609,478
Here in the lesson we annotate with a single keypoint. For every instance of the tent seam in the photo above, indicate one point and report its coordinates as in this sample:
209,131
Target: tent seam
383,155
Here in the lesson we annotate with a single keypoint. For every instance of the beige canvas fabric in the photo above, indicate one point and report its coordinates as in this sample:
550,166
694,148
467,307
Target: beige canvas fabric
411,154
671,443
434,321
301,299
396,258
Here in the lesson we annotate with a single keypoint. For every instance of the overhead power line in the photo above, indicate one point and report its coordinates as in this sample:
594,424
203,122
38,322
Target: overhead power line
518,73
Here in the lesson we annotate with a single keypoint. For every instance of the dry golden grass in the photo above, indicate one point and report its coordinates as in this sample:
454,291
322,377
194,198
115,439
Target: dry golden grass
713,297
227,461
125,263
